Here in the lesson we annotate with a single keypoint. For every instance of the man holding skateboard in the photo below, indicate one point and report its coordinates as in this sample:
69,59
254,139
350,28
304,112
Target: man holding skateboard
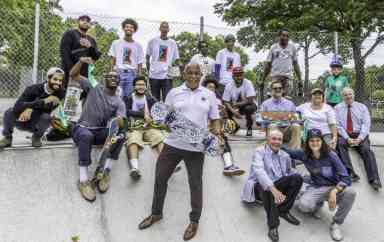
199,105
32,110
101,105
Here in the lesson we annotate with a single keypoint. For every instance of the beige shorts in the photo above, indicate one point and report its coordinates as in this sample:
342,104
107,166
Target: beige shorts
140,137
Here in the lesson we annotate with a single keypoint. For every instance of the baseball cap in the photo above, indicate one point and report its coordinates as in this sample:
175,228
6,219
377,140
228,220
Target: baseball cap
238,70
54,70
315,90
336,62
84,16
314,133
229,37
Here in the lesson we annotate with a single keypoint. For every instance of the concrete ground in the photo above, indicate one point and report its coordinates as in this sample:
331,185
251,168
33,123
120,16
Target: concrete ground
40,202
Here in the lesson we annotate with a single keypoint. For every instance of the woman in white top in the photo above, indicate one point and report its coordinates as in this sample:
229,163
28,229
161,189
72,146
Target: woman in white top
320,115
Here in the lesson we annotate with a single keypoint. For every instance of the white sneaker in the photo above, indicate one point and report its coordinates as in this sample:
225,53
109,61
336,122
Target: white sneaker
335,231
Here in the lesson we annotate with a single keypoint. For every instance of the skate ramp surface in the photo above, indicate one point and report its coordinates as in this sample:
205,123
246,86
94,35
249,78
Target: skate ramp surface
40,202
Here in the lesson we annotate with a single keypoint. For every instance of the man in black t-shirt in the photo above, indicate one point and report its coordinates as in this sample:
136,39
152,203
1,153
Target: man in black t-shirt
32,109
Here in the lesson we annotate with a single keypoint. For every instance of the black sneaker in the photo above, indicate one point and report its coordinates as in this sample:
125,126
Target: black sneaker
376,184
36,141
249,133
5,142
354,177
273,234
290,218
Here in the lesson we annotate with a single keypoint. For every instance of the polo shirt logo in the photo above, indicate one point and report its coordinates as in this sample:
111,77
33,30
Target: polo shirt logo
203,99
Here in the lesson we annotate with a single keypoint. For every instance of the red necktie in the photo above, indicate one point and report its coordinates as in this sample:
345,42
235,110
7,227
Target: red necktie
349,121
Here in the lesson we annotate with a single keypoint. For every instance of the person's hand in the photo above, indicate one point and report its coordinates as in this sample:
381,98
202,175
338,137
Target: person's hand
279,196
52,99
357,141
332,199
147,119
87,60
85,43
237,115
25,116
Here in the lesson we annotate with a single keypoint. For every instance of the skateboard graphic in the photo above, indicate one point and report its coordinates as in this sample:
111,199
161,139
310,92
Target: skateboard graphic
185,129
278,118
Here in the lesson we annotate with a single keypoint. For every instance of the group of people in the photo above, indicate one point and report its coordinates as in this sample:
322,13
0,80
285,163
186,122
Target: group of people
214,95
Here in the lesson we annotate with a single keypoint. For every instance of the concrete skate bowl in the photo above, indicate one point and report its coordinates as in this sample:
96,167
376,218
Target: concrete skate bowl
40,202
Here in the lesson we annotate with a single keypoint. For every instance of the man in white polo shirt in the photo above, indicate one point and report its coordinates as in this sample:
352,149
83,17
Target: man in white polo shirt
127,57
199,105
239,98
162,53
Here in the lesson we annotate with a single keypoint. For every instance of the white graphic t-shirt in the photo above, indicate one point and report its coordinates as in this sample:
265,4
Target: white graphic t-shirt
128,54
227,61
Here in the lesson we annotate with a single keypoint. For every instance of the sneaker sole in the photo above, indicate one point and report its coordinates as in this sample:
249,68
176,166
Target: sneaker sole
135,175
233,173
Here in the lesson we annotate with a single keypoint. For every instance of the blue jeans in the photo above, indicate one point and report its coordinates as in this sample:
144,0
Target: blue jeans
126,81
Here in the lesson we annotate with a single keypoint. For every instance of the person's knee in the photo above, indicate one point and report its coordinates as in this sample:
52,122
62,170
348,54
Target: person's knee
349,194
85,136
297,180
305,205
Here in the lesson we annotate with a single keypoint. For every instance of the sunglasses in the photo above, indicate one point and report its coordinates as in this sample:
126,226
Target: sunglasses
277,88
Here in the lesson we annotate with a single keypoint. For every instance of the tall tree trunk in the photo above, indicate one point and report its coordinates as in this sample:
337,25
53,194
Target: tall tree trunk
360,71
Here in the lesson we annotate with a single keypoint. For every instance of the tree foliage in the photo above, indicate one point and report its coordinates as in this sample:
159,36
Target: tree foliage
354,20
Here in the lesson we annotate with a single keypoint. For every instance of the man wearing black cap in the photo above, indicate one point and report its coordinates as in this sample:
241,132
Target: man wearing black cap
32,109
74,44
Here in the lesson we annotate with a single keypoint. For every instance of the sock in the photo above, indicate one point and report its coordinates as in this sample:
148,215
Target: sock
108,164
134,164
83,173
227,159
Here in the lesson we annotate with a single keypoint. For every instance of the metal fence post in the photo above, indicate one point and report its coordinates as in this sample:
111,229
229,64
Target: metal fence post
201,28
336,43
36,42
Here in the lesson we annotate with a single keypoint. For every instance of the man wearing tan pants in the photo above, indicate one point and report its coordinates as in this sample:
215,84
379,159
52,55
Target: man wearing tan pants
277,103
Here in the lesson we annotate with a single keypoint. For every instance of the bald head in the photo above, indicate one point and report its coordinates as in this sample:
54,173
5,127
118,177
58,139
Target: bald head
192,75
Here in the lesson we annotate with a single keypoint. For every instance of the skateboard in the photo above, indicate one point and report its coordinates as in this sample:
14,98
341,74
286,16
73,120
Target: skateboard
280,119
185,129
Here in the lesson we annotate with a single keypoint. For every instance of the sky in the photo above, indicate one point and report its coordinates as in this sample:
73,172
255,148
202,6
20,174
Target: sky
112,12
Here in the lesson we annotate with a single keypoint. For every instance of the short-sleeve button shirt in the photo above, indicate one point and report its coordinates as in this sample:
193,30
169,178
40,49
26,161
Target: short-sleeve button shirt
199,106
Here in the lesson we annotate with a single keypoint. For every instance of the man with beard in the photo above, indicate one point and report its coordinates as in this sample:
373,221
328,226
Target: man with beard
102,104
139,106
162,53
281,61
127,57
239,98
32,109
199,105
74,44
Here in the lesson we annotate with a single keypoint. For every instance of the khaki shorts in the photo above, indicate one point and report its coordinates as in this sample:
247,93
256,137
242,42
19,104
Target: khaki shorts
140,137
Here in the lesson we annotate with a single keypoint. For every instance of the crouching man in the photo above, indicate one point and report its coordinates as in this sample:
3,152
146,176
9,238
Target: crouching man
273,180
32,110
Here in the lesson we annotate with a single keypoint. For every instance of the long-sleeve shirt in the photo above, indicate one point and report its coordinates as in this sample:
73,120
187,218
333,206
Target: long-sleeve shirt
33,97
71,51
326,171
277,105
361,119
266,168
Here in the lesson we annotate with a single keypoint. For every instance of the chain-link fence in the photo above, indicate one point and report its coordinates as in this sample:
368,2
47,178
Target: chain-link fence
315,50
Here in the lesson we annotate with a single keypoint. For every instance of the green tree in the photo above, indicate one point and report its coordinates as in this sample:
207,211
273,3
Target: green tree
354,20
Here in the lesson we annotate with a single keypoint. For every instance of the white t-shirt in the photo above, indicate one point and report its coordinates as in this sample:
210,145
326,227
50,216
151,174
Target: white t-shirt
206,63
232,93
318,119
227,61
163,53
128,54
